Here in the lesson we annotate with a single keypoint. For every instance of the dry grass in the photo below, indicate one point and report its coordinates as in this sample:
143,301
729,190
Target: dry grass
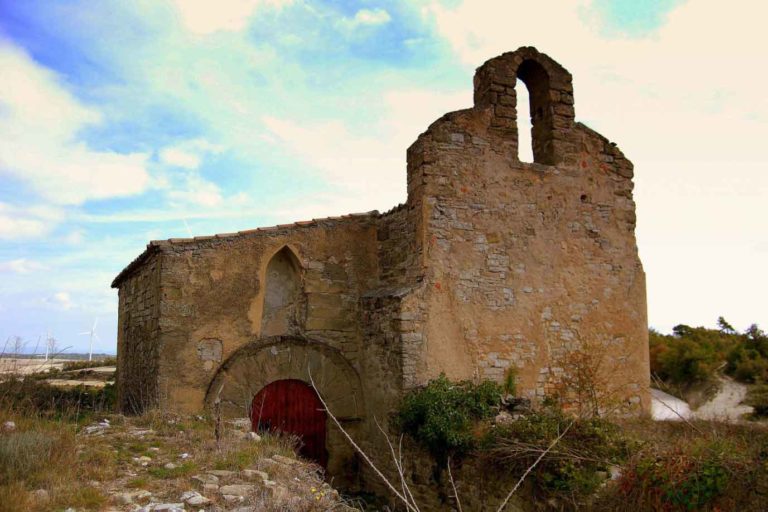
83,472
44,454
716,466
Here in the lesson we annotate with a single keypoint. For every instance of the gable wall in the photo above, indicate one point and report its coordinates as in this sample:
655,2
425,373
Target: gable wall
529,266
213,293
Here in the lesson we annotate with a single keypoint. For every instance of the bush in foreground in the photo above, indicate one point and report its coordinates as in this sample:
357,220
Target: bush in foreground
442,415
574,468
705,467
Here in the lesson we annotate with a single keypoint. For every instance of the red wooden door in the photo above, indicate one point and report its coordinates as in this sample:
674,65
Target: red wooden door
293,407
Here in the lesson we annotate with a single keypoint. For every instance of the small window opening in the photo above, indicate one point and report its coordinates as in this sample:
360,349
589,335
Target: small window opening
524,124
534,114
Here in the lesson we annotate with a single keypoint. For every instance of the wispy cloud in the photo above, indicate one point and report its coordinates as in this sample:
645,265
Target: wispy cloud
27,222
188,154
60,300
39,142
205,17
140,118
21,266
370,17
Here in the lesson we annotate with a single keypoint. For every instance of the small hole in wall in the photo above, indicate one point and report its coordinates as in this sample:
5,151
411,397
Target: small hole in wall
584,198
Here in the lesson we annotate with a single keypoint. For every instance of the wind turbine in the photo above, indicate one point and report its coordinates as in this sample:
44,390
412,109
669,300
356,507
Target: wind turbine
50,343
93,335
47,342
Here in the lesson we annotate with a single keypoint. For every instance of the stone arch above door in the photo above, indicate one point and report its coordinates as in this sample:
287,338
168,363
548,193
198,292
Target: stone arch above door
268,359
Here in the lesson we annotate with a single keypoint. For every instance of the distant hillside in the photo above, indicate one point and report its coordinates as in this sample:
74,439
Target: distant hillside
687,361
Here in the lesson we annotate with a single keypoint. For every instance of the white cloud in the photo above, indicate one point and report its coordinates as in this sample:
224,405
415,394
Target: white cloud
371,17
367,170
363,168
39,125
195,191
60,300
74,237
178,157
27,222
188,154
21,266
687,105
15,228
206,17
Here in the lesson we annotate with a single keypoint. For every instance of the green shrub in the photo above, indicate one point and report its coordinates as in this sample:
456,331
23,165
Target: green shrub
747,363
510,382
37,397
691,355
685,361
442,415
79,365
574,468
678,480
757,397
714,466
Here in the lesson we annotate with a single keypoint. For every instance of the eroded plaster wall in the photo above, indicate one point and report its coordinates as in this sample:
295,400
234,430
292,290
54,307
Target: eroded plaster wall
282,310
214,289
528,264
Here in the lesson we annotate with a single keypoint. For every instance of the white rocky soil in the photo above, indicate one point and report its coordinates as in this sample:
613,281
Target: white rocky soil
726,405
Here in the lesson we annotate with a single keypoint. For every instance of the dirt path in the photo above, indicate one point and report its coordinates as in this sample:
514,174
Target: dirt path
667,407
726,404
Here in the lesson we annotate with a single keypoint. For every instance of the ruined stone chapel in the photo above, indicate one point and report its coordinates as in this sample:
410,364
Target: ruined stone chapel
491,265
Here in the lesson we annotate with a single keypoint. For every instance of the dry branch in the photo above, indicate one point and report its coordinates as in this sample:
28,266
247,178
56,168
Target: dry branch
359,450
532,466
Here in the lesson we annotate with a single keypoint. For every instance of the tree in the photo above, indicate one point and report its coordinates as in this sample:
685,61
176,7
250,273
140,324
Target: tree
725,326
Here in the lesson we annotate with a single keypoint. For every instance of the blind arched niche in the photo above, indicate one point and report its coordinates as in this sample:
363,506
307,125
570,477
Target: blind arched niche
282,295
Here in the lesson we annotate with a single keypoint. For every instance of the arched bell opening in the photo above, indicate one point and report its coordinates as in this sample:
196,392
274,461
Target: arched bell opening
538,110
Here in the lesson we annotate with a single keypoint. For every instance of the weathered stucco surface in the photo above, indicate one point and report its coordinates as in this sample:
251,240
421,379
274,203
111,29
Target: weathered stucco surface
492,264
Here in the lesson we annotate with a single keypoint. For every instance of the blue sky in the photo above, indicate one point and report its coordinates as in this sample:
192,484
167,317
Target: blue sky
122,122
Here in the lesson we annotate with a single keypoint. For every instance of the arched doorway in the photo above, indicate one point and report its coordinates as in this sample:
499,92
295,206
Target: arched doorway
291,406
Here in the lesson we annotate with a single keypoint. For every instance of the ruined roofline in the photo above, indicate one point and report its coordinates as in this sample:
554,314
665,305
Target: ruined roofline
493,85
155,246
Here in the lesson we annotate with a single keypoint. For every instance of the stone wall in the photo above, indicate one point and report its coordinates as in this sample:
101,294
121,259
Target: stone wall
528,263
138,336
492,265
213,291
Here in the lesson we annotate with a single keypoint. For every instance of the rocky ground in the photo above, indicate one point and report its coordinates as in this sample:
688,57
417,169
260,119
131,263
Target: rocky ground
725,405
169,463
